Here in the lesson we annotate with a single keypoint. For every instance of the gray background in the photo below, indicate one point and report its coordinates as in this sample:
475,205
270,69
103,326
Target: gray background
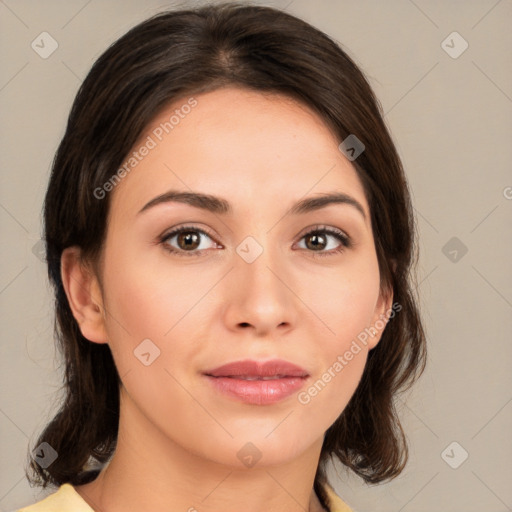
451,120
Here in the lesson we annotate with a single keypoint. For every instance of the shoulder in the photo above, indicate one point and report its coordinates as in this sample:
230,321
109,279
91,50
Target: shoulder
337,504
65,499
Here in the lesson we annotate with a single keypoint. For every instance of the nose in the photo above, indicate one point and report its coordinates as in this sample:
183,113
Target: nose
260,297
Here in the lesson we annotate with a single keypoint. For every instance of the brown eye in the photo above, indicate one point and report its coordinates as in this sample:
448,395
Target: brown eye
187,241
319,241
315,241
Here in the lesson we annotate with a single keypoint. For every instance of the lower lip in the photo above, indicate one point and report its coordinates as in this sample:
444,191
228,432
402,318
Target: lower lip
258,392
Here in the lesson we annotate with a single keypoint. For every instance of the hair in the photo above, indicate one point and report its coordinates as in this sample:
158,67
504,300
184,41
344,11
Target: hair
192,51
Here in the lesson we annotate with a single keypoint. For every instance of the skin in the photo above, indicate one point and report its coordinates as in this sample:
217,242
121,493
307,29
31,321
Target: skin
178,437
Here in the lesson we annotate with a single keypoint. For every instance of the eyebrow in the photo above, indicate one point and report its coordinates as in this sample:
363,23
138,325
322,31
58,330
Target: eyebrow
221,206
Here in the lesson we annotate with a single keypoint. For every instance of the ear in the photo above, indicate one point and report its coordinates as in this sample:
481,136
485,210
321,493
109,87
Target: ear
383,311
84,295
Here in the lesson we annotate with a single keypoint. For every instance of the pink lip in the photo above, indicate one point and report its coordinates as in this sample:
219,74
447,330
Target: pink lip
228,379
250,368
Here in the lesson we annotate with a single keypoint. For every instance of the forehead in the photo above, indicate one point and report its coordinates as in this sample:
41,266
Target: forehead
239,144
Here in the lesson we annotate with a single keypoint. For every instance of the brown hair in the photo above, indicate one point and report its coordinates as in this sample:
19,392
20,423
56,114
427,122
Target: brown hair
185,52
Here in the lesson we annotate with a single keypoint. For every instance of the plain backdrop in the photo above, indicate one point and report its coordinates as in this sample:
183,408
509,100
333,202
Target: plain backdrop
443,73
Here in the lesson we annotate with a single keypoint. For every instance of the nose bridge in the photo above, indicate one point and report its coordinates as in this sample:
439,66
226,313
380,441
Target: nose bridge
259,269
261,298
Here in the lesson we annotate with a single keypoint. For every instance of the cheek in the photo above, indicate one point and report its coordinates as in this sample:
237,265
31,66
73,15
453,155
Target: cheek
343,358
147,298
142,304
345,301
346,310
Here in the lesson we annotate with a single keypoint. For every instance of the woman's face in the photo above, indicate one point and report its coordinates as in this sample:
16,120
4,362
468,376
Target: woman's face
247,280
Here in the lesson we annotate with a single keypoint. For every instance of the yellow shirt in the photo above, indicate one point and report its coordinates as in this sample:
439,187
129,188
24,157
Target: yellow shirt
66,499
337,505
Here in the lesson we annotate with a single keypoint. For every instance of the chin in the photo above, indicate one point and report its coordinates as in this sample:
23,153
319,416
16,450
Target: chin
262,450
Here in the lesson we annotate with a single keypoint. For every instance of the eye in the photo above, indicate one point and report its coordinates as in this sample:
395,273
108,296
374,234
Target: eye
188,241
317,240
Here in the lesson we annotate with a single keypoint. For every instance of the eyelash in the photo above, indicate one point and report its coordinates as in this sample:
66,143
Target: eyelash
345,240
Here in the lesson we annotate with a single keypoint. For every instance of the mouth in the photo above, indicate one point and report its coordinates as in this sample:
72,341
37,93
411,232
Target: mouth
257,383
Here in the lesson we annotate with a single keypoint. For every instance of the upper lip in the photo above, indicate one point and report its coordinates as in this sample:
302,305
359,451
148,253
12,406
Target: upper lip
250,368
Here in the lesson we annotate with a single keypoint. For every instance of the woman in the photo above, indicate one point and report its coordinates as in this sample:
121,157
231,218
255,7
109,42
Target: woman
230,237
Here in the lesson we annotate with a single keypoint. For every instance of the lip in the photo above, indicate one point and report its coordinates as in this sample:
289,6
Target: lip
251,368
283,380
